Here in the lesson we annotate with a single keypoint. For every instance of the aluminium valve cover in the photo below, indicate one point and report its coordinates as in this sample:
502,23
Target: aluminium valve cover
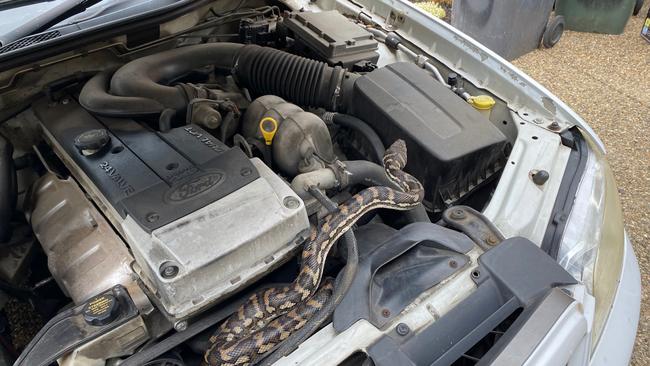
201,219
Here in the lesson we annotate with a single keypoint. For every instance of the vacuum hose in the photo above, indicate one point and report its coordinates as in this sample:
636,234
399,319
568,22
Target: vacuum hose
139,87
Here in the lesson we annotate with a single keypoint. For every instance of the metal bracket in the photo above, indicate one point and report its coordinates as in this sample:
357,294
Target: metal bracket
473,224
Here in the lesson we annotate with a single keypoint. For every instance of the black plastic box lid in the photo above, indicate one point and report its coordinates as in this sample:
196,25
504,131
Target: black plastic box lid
452,148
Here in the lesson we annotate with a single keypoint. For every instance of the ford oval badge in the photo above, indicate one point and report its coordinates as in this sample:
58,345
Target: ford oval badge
194,186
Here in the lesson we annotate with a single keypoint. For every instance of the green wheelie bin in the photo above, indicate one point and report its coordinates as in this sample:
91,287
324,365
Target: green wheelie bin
599,16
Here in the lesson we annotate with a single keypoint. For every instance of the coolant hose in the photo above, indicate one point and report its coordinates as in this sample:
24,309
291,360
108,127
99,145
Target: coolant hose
367,174
361,172
354,123
324,179
370,174
263,70
8,189
354,172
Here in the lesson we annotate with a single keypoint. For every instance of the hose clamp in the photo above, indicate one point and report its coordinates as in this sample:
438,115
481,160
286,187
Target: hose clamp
340,172
337,82
328,117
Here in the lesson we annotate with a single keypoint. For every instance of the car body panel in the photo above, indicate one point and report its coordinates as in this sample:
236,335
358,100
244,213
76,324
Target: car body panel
617,339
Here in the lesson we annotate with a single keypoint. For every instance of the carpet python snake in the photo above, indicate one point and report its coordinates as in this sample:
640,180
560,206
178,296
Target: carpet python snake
271,315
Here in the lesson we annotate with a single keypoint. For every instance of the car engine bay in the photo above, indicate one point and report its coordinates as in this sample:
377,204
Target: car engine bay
167,190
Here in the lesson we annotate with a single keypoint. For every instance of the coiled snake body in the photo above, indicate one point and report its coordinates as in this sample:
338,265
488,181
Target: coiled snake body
271,315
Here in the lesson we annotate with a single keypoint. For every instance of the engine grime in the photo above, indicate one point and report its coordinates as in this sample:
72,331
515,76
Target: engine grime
183,200
141,171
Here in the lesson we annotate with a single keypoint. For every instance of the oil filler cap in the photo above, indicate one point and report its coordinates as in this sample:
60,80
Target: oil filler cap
92,141
101,310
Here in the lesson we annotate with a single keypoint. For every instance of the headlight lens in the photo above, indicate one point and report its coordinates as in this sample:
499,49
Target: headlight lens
594,238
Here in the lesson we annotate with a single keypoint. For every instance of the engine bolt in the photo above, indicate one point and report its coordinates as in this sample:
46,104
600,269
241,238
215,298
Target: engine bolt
540,177
152,217
65,101
168,270
291,202
491,240
554,126
457,214
385,313
245,172
453,264
402,329
180,326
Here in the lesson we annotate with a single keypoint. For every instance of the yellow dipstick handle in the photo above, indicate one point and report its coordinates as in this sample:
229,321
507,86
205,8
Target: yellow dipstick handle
268,127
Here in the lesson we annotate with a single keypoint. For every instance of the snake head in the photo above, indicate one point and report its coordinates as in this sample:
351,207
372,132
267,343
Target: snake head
395,155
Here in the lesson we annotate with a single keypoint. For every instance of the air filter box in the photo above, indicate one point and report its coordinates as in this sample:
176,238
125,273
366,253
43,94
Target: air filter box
452,148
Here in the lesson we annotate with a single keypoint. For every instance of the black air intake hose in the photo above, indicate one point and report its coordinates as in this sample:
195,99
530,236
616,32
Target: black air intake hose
8,189
300,80
146,77
95,98
262,70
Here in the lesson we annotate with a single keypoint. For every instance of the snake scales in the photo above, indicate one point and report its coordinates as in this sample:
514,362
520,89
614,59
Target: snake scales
271,315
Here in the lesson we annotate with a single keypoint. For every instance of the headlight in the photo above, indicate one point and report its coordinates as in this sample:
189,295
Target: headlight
592,245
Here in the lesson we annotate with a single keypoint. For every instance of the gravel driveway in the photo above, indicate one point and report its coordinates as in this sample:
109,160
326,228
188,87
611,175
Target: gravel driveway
606,79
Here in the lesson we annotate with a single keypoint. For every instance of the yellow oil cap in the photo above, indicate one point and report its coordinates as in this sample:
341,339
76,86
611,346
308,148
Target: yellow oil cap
268,127
482,102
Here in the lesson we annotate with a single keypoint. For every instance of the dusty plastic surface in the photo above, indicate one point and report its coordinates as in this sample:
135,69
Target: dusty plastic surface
221,247
451,146
334,38
599,16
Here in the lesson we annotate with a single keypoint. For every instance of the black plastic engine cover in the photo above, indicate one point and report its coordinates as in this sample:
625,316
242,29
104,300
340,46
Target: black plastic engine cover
154,177
452,148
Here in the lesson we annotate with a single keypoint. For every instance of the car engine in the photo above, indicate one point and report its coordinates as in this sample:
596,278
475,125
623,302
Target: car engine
186,204
176,182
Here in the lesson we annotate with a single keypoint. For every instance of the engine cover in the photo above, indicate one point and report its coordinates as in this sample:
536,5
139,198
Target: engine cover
201,219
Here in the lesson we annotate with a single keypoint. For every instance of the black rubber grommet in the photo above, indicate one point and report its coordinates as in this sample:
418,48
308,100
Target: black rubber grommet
393,40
